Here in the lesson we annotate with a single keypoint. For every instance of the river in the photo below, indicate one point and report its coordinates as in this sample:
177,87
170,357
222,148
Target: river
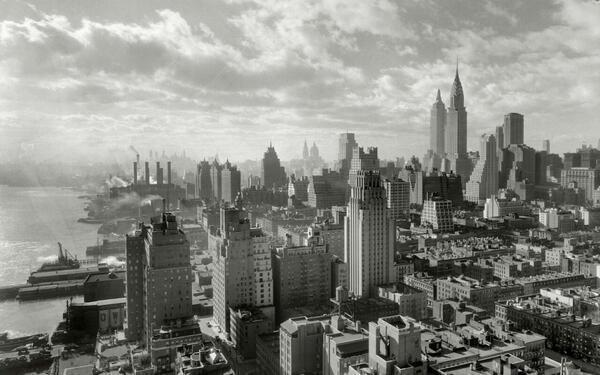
32,221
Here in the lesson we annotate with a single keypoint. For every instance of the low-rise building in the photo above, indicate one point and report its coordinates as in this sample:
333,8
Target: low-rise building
412,302
566,332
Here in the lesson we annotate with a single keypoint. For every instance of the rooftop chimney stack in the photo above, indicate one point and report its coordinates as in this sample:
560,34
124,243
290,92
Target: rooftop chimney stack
169,172
135,166
159,175
147,173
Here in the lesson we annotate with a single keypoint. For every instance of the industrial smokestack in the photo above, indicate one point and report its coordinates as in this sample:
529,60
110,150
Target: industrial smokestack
147,173
135,165
169,172
137,159
159,179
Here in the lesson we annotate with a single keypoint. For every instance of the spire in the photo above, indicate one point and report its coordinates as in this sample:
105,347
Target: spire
457,100
456,66
438,98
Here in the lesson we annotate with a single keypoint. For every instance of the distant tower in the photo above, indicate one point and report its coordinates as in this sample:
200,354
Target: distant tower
368,236
347,143
362,161
546,145
314,151
273,174
484,179
231,181
456,131
499,139
305,151
513,129
437,126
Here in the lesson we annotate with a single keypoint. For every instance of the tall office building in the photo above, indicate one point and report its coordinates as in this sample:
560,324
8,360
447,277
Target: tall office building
362,161
242,269
302,276
587,179
159,291
369,236
499,139
347,143
305,154
398,197
546,145
520,159
437,214
484,179
231,181
203,182
215,179
513,129
272,173
456,132
437,126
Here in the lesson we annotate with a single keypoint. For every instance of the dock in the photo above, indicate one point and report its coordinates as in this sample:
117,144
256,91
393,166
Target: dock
10,291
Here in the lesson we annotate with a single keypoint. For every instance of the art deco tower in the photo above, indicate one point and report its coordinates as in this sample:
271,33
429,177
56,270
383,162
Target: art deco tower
456,131
456,121
437,126
369,236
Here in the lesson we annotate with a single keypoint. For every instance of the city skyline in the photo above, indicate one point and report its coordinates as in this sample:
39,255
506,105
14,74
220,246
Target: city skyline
226,77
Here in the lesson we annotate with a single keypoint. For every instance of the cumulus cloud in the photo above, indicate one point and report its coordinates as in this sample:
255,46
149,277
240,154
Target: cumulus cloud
247,68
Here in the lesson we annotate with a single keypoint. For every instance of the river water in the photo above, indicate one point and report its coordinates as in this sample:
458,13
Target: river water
32,221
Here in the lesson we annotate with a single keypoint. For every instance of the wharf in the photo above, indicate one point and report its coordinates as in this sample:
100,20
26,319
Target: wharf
50,290
10,291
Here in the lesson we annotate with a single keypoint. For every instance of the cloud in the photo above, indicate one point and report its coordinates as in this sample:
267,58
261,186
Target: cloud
219,74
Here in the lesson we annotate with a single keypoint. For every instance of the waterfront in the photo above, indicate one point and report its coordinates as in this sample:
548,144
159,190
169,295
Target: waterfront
32,221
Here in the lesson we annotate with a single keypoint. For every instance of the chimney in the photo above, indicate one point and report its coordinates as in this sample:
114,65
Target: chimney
135,165
147,173
169,172
159,179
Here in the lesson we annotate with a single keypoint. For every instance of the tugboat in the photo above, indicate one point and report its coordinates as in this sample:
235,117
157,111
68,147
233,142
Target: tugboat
65,261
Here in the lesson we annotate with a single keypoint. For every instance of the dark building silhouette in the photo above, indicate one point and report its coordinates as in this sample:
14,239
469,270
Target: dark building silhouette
347,143
513,129
272,173
203,182
215,179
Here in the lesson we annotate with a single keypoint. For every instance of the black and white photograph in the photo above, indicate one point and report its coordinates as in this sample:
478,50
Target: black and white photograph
299,187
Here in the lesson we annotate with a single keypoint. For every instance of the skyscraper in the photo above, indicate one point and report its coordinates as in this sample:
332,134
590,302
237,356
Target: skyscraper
398,197
484,179
456,121
499,139
347,143
242,273
369,236
272,173
513,129
159,290
362,161
203,182
456,132
546,145
215,178
231,181
437,126
305,154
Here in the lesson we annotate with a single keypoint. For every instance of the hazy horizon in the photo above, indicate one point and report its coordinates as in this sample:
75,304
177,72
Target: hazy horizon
84,80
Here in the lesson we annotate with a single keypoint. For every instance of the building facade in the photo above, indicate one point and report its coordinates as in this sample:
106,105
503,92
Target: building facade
369,236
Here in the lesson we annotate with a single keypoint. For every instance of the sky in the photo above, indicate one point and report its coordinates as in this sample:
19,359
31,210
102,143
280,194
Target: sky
85,79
